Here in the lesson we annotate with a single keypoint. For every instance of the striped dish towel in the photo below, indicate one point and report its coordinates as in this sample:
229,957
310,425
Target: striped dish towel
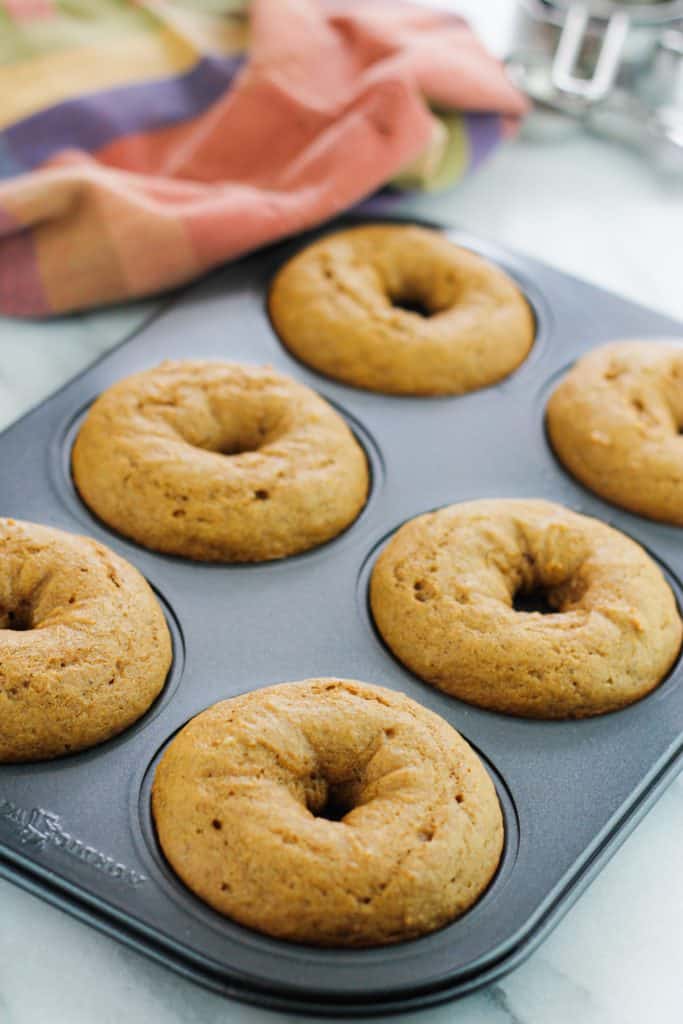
140,145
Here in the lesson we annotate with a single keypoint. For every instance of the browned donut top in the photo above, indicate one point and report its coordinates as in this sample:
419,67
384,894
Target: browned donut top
615,421
219,461
401,309
450,595
328,811
84,646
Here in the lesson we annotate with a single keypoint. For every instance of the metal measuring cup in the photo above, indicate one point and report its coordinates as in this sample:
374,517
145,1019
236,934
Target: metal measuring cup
614,68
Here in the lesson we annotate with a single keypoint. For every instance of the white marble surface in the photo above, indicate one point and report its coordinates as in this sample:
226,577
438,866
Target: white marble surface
617,958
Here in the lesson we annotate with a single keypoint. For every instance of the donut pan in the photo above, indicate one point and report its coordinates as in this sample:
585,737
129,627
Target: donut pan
77,831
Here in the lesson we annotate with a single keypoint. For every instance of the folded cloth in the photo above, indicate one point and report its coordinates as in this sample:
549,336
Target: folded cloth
140,148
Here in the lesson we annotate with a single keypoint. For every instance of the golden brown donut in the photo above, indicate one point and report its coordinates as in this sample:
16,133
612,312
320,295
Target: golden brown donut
328,812
615,422
219,461
400,309
443,595
84,645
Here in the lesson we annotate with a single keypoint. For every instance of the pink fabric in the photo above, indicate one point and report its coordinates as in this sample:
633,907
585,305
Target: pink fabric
332,104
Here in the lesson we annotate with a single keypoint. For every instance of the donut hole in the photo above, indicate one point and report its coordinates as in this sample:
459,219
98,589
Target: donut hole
534,599
218,443
546,578
237,441
236,448
228,421
412,304
330,801
242,438
336,807
417,297
18,619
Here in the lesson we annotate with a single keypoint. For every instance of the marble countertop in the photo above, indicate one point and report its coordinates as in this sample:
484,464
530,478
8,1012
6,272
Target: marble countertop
617,958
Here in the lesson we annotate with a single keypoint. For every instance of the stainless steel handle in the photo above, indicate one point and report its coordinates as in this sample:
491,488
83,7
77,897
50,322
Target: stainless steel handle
572,37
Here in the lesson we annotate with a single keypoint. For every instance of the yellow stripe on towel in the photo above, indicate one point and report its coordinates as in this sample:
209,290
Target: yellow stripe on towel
33,85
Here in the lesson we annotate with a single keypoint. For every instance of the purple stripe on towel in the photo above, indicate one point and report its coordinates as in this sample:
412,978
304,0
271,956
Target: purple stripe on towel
91,122
484,133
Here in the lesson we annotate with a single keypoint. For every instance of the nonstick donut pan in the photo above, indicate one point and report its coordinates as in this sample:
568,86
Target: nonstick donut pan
78,831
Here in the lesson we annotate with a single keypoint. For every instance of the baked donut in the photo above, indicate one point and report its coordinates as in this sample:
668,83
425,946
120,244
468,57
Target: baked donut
219,462
615,422
84,645
328,812
402,310
459,596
